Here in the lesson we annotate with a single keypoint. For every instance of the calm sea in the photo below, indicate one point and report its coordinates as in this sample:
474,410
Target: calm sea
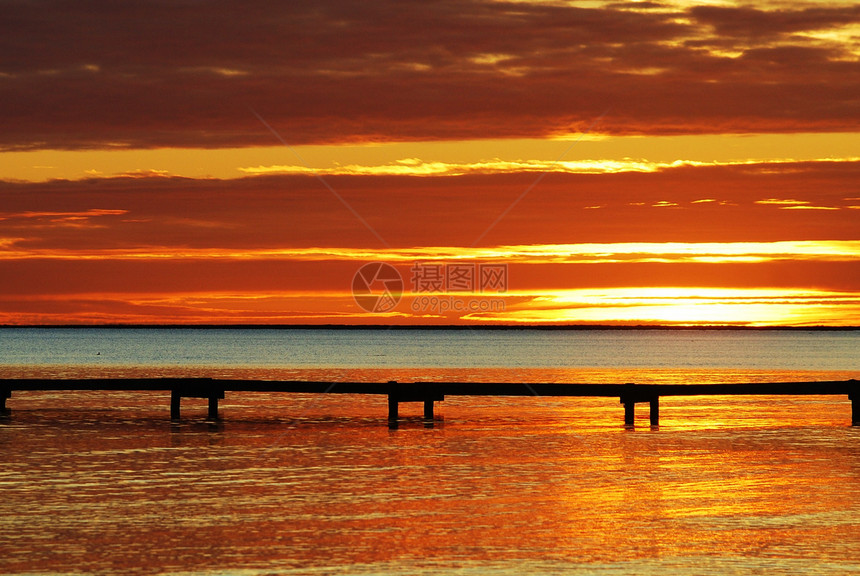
99,483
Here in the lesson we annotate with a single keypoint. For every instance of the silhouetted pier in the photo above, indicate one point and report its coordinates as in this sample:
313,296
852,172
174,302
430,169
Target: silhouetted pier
431,392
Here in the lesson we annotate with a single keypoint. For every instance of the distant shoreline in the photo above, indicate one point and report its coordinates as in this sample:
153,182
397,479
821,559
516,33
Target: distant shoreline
566,327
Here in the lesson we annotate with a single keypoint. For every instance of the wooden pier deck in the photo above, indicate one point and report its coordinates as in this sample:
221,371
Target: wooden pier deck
431,392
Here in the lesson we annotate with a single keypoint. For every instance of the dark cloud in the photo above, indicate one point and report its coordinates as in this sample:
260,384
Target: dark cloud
409,211
156,73
750,22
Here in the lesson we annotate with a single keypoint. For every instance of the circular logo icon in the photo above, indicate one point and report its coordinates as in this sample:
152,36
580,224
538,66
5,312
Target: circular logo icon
377,287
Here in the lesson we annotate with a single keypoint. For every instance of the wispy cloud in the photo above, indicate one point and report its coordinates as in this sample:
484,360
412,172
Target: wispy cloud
630,252
782,202
805,207
790,204
35,220
418,167
61,215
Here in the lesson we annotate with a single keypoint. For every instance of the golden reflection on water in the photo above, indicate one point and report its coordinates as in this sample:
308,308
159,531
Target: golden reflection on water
338,494
312,484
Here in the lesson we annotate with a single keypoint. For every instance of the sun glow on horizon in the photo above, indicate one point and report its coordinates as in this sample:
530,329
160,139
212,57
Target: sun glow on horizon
686,306
329,303
671,306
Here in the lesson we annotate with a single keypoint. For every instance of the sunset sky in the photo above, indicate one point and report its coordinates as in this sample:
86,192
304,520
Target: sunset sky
239,162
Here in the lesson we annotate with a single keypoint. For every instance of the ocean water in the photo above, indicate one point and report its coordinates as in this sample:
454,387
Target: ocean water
338,354
103,483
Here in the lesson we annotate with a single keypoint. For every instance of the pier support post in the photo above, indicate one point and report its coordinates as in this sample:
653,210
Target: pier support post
195,390
855,407
428,409
393,403
629,412
628,398
655,411
3,395
632,394
175,400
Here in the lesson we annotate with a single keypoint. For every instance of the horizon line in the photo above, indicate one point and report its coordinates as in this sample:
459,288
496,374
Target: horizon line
441,326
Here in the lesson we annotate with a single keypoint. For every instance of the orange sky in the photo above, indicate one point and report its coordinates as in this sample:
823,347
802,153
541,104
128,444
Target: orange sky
626,162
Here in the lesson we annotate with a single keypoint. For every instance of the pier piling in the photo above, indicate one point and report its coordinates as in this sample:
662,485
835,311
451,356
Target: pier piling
631,395
428,409
855,407
393,402
177,394
4,393
629,412
411,392
213,408
655,411
175,400
393,406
